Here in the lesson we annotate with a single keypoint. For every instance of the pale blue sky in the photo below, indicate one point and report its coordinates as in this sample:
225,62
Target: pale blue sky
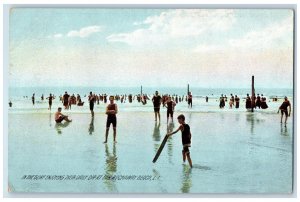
134,46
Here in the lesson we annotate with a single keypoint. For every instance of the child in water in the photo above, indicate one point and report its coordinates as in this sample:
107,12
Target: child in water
186,138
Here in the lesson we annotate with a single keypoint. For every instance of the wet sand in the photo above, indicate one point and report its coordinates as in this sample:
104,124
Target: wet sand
234,152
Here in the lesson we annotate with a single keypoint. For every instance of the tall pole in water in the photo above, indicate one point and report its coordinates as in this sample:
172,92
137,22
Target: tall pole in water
253,95
188,89
141,90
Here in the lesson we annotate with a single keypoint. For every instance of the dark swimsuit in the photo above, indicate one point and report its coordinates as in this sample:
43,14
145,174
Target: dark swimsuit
92,101
186,138
170,109
156,103
111,118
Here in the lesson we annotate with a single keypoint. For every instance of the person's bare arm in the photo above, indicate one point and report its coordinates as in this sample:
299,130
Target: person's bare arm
107,111
179,128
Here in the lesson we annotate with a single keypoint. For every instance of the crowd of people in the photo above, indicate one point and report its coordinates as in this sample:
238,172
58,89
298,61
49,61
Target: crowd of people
259,101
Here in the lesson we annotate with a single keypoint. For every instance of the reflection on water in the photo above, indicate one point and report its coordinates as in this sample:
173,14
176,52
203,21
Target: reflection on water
284,131
50,119
253,119
250,120
161,186
170,129
60,126
237,117
186,179
91,126
156,132
111,168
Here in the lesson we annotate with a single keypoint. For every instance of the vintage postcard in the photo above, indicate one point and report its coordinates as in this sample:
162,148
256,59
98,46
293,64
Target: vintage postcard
150,100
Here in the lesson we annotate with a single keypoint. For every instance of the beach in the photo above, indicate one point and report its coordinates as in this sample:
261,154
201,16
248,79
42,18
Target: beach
232,152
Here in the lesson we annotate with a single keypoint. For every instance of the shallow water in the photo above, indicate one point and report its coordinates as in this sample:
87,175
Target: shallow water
232,152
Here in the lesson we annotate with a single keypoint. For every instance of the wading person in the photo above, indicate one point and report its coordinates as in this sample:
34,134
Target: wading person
156,105
190,100
283,108
170,104
50,98
66,100
248,102
186,138
237,102
33,99
91,99
111,111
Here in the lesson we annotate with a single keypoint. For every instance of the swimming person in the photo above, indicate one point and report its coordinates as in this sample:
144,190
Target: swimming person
59,117
190,100
50,98
91,99
170,108
111,111
283,108
186,138
156,105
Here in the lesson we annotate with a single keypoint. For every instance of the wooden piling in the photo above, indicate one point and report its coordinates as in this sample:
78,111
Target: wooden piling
252,95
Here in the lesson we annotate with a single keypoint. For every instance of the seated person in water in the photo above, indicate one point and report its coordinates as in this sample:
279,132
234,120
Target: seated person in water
59,117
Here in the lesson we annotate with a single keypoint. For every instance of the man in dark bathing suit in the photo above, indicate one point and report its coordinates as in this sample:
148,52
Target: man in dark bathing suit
111,111
33,99
190,100
66,100
92,102
283,108
50,98
156,104
170,104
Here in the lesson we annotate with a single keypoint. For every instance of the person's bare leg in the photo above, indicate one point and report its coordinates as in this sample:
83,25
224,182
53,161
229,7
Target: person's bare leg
281,118
155,116
159,116
106,135
115,135
285,120
67,119
189,159
183,156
